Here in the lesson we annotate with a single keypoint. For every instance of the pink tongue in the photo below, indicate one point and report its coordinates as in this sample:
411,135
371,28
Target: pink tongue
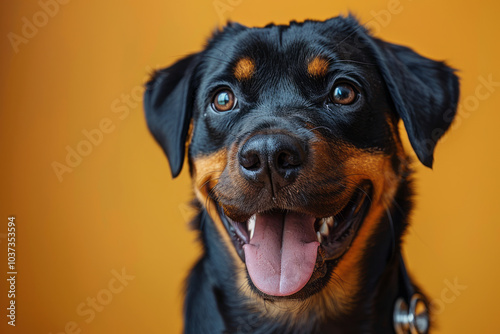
281,256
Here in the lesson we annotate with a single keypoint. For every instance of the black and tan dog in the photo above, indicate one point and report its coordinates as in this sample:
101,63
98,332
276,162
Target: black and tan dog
302,184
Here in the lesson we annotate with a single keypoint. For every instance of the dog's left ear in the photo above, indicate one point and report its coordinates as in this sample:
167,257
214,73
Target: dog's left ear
425,94
168,102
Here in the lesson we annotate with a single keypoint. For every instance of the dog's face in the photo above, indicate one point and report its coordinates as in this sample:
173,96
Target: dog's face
294,148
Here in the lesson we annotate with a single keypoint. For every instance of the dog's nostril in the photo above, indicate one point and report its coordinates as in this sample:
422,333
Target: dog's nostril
250,161
288,160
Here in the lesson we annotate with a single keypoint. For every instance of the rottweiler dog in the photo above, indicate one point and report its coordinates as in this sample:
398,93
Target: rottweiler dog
301,183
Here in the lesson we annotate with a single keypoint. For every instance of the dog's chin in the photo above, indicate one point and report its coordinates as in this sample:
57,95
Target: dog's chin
291,255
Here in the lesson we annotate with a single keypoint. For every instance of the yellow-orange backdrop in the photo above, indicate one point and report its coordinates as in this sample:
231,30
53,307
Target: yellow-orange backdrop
76,68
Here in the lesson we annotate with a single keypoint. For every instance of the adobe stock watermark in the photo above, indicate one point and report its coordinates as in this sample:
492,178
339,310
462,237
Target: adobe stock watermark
382,18
32,25
93,305
483,91
448,295
93,138
222,7
187,211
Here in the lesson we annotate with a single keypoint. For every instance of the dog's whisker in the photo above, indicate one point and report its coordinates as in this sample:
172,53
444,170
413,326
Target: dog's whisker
223,61
336,279
397,206
354,62
391,225
208,181
321,127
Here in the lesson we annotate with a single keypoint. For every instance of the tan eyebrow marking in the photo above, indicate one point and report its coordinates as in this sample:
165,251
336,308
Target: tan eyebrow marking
317,67
244,69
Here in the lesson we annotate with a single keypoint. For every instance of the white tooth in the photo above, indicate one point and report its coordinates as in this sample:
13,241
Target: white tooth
251,226
320,238
324,229
329,221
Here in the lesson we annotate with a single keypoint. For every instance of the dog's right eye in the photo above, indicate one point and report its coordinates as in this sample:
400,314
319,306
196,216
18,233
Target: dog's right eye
224,100
343,93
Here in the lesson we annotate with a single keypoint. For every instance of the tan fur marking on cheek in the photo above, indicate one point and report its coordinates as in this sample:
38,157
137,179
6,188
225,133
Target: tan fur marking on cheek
206,173
207,170
189,134
219,225
317,67
400,152
360,165
377,168
347,271
244,69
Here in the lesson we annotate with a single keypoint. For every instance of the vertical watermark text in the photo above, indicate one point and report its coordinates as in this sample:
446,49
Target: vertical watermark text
11,270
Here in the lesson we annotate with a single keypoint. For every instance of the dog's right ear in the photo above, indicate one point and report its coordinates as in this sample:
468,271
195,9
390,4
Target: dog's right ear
168,102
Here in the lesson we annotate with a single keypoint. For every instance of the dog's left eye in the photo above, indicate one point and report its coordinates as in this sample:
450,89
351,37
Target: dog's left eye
343,93
224,100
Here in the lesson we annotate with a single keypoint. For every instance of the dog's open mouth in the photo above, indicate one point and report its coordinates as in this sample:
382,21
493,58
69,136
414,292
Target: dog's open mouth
283,249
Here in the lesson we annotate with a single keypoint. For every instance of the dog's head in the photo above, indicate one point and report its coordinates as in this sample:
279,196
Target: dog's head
293,143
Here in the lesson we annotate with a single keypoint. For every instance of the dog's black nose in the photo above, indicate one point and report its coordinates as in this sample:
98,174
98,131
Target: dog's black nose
273,159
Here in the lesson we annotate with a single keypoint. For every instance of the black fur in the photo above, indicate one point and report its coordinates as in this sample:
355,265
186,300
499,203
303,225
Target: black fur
395,83
424,92
168,103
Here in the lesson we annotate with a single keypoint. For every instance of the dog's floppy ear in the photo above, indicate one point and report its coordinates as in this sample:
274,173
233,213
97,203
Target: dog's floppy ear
168,102
424,92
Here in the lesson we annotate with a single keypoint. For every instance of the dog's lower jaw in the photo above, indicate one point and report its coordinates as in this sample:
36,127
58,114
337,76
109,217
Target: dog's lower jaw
215,299
218,298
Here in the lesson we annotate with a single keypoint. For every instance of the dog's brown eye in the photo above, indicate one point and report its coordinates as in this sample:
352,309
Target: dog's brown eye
224,100
343,93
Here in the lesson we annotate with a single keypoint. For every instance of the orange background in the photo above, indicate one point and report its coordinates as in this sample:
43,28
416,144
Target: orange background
119,208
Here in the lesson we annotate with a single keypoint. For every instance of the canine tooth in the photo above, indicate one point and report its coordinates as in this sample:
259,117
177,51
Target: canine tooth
329,221
324,229
320,238
251,226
